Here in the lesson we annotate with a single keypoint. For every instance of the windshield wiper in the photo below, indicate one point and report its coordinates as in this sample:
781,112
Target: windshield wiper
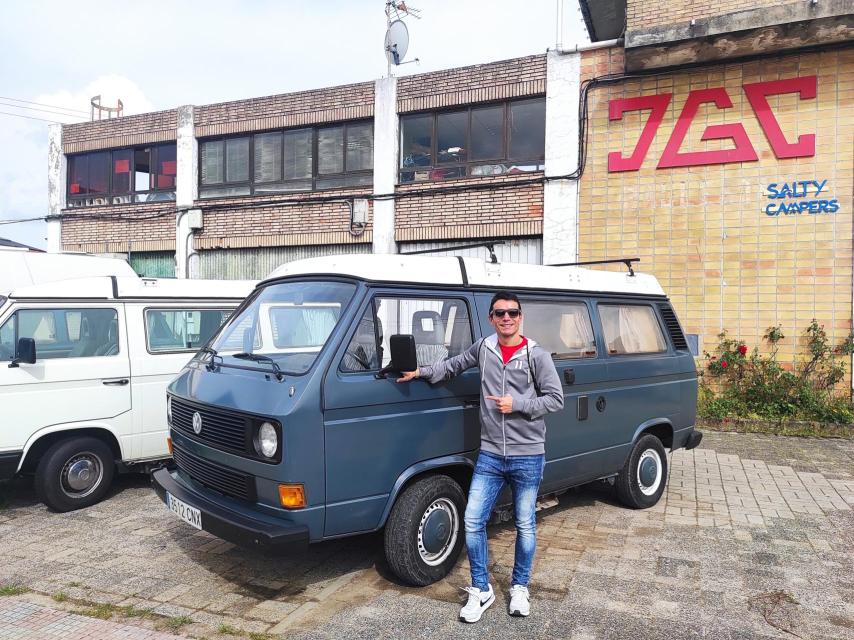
257,357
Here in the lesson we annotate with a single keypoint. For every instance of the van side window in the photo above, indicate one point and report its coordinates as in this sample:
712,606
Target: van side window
630,328
441,326
7,339
562,328
181,329
362,353
63,333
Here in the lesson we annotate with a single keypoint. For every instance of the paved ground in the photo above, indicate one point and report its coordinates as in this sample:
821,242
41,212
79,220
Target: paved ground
755,539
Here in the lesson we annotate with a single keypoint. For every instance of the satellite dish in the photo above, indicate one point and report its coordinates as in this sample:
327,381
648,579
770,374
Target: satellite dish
396,42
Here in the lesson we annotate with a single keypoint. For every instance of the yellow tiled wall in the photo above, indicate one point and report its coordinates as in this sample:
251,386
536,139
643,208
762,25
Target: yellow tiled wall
703,231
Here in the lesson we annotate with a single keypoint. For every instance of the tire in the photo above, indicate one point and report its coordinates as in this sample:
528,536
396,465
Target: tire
74,473
424,533
641,482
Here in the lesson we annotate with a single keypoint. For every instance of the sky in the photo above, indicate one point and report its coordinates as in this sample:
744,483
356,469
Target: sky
159,55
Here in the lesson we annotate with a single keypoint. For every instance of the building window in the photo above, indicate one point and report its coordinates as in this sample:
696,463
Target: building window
283,161
118,176
485,140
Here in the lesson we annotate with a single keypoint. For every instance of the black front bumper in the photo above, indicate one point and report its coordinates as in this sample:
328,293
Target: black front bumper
9,464
229,525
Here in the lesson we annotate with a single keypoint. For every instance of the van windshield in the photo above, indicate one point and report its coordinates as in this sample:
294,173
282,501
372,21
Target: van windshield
288,322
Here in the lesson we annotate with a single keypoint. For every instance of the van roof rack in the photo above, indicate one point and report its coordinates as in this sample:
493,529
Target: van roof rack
625,261
489,245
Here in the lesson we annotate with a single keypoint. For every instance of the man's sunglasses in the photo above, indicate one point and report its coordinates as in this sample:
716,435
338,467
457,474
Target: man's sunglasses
499,313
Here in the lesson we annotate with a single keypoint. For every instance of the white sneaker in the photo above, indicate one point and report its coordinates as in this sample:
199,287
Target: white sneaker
520,601
479,601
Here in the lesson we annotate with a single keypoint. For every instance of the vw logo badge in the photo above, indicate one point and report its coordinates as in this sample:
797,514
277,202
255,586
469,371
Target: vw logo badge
197,423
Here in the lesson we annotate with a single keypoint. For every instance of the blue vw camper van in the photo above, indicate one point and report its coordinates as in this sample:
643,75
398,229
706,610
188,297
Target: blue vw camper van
289,429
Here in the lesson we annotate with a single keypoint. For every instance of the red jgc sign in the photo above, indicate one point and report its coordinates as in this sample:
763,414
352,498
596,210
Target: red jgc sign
757,94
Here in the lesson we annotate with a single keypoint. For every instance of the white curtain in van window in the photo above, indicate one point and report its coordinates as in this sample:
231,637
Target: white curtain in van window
575,330
639,330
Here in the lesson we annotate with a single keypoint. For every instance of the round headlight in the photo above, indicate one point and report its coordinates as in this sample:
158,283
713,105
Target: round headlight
169,410
268,441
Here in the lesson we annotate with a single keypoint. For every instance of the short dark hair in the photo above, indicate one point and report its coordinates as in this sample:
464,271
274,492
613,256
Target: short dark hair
504,295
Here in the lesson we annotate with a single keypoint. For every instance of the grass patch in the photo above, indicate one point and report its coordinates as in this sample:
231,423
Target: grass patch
12,590
100,610
228,630
60,597
176,622
75,584
260,636
131,611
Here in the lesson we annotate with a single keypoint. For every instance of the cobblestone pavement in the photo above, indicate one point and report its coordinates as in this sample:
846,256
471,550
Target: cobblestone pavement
22,620
754,539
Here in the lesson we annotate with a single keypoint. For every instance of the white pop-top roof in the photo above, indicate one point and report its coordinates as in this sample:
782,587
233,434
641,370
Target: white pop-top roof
22,268
136,287
480,273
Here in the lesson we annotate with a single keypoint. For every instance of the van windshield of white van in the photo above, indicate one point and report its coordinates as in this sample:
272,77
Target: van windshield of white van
288,323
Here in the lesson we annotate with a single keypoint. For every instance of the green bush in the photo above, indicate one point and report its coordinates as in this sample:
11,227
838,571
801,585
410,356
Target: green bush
736,382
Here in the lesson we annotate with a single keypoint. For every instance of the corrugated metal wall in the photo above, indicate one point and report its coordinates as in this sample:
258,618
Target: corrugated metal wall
153,264
522,250
255,264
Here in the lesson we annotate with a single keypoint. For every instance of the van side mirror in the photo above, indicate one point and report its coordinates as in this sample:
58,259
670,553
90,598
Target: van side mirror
25,353
403,356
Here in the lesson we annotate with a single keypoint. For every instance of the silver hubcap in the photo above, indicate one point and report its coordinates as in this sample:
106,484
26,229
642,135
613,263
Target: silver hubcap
652,487
81,475
442,554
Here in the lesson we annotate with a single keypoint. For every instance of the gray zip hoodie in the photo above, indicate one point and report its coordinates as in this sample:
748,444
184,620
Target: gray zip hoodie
521,432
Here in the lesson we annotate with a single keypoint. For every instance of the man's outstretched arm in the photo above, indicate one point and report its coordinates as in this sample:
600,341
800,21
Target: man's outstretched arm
446,369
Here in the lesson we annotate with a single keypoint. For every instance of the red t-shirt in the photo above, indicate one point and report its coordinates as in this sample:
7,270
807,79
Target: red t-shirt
507,352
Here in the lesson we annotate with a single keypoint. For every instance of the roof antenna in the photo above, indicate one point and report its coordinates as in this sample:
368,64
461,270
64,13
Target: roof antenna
397,34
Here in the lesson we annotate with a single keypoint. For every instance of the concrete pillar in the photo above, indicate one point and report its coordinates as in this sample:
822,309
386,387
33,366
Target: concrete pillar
186,193
560,197
57,167
385,163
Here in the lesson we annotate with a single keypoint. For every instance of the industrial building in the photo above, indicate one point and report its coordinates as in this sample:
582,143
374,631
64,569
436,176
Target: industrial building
713,140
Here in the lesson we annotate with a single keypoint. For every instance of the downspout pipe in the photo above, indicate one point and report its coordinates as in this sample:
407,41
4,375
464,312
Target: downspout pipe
590,46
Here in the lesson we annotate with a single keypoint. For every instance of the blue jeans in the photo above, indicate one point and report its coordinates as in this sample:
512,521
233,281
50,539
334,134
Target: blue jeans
491,474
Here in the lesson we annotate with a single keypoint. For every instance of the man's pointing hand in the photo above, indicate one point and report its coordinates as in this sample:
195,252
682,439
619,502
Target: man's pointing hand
504,403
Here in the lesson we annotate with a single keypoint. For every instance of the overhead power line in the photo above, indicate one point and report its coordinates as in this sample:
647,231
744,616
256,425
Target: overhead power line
42,104
41,110
18,115
21,220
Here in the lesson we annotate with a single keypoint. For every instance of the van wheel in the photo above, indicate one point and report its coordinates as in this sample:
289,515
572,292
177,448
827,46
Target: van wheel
643,478
74,473
424,533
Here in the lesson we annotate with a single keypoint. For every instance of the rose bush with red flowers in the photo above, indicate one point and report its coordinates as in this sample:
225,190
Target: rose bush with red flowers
735,384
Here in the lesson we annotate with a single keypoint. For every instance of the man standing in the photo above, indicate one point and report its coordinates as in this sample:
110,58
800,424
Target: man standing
519,385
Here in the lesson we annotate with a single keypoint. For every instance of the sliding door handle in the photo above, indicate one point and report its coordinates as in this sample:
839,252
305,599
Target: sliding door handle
116,382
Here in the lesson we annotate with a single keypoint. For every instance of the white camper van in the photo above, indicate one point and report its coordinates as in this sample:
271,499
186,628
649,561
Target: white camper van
84,365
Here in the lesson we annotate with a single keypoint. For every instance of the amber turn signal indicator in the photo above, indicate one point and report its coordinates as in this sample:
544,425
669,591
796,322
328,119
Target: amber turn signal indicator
169,444
292,496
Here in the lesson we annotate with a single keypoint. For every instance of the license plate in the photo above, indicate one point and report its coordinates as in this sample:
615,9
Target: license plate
188,514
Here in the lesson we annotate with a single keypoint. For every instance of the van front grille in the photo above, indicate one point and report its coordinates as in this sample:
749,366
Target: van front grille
228,481
220,429
673,328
